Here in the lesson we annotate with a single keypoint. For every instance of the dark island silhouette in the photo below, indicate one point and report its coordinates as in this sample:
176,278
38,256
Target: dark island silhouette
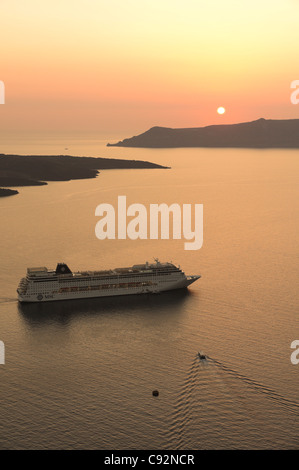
36,170
263,133
7,192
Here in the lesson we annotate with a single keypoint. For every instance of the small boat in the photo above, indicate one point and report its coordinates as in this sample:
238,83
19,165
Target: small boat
201,356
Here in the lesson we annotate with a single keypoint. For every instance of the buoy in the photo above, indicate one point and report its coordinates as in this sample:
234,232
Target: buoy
155,393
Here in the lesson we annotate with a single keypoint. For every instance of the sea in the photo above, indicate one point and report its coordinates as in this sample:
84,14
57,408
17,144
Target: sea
80,374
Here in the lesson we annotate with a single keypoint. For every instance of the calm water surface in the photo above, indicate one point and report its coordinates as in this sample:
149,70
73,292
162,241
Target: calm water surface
81,374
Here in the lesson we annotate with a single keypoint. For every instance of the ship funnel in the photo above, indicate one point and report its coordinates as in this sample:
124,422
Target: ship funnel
63,268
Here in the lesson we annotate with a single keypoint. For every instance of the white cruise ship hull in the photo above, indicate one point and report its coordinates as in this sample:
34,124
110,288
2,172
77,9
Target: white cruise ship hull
48,297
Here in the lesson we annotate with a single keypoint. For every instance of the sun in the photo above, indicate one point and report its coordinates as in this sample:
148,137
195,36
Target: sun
221,110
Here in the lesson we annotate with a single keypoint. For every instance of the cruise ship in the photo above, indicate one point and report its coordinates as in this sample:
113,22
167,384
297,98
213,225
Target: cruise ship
43,285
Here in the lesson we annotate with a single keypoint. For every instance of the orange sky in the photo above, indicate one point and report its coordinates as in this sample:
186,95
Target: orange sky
115,67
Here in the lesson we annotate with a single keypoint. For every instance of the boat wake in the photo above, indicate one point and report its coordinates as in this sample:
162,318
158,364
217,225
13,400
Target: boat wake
6,300
291,405
214,398
184,407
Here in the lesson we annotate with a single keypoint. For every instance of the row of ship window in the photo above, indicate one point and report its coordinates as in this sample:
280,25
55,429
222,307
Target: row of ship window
128,285
99,278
